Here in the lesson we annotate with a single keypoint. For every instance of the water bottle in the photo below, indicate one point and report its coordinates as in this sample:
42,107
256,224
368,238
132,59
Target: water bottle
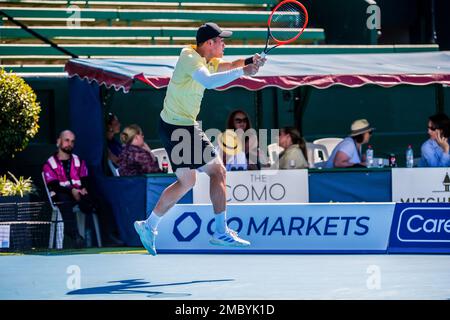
369,157
165,165
409,157
392,161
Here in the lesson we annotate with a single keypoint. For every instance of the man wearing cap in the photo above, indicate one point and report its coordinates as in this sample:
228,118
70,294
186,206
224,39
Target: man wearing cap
197,68
348,152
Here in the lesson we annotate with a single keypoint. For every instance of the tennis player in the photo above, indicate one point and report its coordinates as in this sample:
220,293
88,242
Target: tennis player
198,67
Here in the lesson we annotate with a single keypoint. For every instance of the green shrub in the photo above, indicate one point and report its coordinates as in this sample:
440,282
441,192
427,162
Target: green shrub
15,187
19,114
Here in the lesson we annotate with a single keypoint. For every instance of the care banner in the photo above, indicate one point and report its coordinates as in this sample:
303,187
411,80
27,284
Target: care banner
281,228
265,186
420,228
421,185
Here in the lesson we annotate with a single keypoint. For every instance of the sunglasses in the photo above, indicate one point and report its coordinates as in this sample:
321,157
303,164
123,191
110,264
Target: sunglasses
432,128
240,120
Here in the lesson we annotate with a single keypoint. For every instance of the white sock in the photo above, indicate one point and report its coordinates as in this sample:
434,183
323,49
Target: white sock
221,222
153,220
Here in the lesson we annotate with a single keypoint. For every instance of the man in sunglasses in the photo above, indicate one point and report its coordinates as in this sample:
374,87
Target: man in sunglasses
348,152
435,151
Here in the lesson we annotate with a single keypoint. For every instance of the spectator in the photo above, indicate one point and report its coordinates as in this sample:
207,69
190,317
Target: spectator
136,157
66,176
114,146
348,152
294,155
239,121
230,147
435,151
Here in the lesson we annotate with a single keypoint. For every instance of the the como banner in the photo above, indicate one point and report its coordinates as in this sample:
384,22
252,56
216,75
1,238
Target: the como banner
265,186
281,228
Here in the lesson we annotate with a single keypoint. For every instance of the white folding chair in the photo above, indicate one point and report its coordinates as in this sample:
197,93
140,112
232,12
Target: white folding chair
57,223
160,153
314,152
113,168
329,143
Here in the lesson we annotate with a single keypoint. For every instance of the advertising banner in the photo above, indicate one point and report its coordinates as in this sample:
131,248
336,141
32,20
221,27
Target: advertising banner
265,186
420,228
421,185
281,228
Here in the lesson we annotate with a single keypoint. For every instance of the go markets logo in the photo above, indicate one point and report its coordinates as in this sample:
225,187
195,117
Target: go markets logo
187,221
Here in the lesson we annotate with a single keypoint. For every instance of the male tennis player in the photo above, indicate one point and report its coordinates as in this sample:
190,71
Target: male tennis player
198,67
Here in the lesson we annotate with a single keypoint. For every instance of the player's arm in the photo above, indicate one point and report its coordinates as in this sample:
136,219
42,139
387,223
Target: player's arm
218,79
239,63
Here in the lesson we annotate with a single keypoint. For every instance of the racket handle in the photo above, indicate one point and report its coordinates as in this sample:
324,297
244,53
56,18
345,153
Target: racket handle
263,54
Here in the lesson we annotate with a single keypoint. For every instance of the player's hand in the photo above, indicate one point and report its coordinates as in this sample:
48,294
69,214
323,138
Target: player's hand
258,60
251,69
83,192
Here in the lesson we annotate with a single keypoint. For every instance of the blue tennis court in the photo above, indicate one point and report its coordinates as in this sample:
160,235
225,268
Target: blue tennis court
138,276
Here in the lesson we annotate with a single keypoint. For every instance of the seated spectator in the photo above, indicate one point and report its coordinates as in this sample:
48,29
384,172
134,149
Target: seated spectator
294,155
348,152
136,157
66,176
239,121
435,151
230,147
114,146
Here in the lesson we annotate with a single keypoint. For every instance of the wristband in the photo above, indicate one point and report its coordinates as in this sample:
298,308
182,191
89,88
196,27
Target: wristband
248,61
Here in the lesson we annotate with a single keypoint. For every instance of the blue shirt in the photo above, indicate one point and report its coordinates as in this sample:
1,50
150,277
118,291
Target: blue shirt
347,146
433,155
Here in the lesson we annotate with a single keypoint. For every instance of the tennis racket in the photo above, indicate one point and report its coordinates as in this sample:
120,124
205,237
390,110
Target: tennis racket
286,23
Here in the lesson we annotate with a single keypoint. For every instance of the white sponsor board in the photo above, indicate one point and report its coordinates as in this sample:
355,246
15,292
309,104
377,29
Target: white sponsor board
266,186
421,185
278,228
5,231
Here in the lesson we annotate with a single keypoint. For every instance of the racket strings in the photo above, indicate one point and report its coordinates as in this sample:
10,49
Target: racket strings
287,21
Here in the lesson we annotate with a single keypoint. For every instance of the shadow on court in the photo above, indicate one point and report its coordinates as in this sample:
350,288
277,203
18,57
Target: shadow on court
138,286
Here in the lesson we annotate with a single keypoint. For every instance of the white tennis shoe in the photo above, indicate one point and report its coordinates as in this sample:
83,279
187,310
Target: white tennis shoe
228,239
147,236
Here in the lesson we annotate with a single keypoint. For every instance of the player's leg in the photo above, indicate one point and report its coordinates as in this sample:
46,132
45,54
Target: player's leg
147,229
223,236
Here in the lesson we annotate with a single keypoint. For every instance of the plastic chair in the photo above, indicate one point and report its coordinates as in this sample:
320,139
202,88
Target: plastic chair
314,151
329,143
160,153
57,223
113,168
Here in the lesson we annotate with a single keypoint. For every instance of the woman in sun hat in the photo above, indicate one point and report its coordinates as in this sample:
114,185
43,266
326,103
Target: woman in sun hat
348,152
229,146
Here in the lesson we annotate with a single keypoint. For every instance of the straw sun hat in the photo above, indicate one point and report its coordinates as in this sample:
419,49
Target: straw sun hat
229,142
360,126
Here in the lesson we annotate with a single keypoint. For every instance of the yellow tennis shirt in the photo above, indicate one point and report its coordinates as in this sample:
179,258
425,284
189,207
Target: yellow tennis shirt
184,94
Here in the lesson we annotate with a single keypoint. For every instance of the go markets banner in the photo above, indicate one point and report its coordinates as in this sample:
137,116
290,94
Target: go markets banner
265,186
420,228
421,185
281,228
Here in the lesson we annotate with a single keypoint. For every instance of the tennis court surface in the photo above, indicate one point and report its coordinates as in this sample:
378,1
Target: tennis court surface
132,274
